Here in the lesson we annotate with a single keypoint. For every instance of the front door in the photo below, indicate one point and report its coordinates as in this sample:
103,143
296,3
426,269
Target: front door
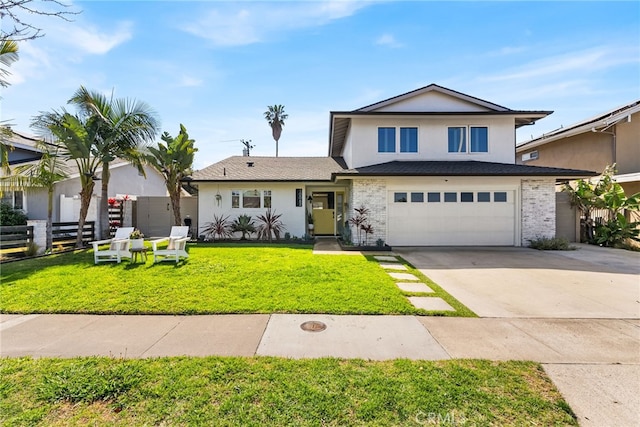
324,213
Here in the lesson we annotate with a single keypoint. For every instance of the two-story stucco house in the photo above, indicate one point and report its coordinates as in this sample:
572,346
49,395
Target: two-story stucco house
594,143
433,166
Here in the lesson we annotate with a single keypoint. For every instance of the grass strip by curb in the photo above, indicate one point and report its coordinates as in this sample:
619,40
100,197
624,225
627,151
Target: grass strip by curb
234,391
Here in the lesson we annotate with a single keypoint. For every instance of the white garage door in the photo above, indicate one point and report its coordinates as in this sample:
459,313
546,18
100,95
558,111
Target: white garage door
451,218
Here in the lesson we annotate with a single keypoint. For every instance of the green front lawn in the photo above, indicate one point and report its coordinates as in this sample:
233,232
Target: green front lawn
215,279
276,392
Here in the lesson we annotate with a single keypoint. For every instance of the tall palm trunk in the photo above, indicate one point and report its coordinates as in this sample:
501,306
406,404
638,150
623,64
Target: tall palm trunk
85,200
49,243
104,202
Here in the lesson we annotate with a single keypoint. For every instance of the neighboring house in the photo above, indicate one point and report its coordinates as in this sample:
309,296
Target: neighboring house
22,149
433,166
125,180
593,144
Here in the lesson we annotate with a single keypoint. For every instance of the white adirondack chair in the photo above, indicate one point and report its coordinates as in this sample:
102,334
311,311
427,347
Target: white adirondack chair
176,247
118,247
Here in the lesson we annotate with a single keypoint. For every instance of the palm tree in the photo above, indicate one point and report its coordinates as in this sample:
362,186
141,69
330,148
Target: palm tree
8,55
77,138
174,161
125,127
276,116
45,173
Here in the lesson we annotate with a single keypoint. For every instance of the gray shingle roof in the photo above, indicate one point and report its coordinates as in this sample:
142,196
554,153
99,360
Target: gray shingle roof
238,168
461,168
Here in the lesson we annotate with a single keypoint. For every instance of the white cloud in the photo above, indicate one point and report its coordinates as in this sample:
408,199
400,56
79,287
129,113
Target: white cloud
235,24
588,60
508,50
388,40
93,41
188,81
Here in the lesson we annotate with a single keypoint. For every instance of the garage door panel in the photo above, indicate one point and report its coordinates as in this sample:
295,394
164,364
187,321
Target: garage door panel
453,223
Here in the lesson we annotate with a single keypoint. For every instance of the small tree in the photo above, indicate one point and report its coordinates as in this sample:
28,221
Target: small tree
359,221
125,127
174,160
77,137
606,194
368,229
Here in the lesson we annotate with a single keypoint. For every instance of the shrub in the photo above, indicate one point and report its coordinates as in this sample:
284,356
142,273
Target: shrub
10,216
551,244
346,236
244,225
31,249
616,231
269,225
219,227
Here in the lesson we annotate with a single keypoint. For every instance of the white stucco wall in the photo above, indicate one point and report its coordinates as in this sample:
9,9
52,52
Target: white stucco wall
538,209
283,201
362,148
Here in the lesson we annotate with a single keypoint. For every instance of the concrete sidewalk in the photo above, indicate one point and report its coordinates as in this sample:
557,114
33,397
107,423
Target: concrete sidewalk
595,363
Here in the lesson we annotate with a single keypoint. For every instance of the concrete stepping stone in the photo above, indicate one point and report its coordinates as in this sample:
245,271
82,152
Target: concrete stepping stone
403,276
388,266
385,258
430,304
414,287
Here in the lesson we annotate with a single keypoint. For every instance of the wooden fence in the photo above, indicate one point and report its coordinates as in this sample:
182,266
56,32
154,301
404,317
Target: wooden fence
65,233
15,238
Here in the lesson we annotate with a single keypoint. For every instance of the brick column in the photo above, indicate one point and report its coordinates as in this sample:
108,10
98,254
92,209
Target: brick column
538,209
371,193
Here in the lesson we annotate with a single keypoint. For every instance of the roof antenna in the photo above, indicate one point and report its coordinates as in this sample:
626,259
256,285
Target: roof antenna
246,152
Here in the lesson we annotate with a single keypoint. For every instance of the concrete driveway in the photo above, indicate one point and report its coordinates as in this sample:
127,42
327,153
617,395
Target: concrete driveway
590,282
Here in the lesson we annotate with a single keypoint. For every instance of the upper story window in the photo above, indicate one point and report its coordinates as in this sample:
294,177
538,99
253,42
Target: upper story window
387,139
478,137
408,140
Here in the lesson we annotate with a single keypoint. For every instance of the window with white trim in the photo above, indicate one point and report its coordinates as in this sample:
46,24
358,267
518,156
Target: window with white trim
388,139
15,199
477,136
250,199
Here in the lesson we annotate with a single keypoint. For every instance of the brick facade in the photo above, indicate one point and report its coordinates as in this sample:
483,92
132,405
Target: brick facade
538,209
371,193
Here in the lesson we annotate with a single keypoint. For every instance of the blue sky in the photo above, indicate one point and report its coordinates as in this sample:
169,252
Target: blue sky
215,66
